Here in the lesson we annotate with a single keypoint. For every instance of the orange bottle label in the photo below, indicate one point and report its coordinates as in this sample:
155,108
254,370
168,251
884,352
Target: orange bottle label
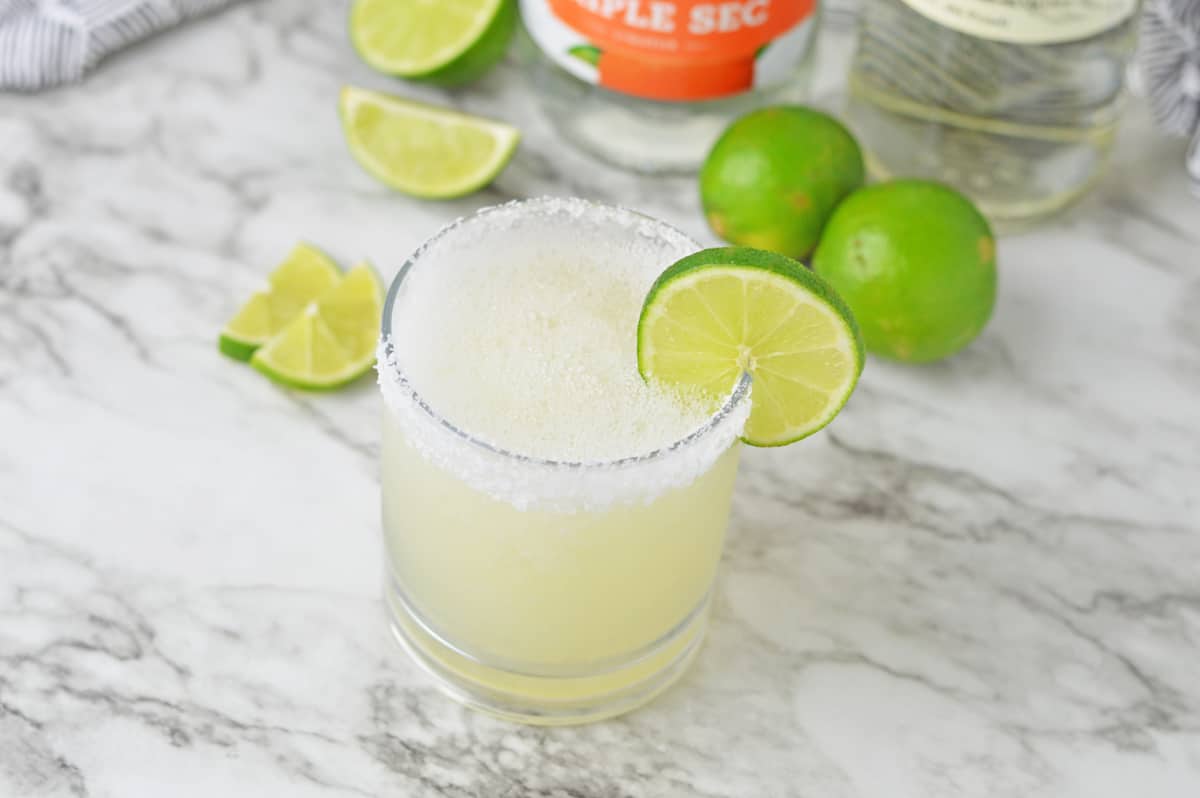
673,49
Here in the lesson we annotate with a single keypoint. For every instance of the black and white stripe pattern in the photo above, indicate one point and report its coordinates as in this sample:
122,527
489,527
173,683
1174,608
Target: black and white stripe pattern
44,43
1168,61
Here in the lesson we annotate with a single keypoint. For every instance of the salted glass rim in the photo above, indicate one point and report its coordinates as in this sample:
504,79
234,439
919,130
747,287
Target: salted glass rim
390,369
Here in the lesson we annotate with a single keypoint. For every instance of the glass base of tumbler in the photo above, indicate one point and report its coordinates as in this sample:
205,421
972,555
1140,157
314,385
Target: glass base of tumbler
548,699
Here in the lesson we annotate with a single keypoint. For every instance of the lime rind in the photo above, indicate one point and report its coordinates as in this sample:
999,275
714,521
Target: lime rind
236,348
695,330
412,176
372,19
331,382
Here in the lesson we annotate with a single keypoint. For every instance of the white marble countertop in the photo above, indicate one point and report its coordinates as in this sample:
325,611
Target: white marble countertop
983,580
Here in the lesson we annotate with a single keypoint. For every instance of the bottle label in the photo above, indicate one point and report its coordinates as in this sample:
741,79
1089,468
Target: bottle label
1027,21
673,49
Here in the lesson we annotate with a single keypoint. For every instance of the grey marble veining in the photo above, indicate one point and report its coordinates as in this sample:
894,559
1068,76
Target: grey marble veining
983,580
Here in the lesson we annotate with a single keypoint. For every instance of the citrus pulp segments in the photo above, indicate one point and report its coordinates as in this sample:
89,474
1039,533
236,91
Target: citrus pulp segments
421,150
413,38
720,312
305,275
333,340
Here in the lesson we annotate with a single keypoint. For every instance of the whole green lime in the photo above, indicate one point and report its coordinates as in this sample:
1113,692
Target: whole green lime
916,262
775,175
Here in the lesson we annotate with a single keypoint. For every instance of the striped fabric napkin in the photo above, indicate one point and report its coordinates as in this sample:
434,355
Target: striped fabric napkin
44,43
1168,64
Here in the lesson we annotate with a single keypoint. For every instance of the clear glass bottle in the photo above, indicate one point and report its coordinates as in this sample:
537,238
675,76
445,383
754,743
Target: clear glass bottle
1014,104
648,85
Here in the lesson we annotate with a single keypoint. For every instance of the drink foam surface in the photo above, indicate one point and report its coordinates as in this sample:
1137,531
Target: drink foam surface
509,361
522,332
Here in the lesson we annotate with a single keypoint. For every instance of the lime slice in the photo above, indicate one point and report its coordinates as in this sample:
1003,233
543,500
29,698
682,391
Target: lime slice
422,150
332,341
447,41
306,274
721,312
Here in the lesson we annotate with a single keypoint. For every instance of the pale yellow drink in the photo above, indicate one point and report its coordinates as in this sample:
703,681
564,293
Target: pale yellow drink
552,524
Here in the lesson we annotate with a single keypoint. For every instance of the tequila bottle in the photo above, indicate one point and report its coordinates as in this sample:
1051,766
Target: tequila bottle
1015,104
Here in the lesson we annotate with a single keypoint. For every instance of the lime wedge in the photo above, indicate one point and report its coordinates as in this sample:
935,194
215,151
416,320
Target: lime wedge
447,41
721,312
306,274
422,150
332,341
